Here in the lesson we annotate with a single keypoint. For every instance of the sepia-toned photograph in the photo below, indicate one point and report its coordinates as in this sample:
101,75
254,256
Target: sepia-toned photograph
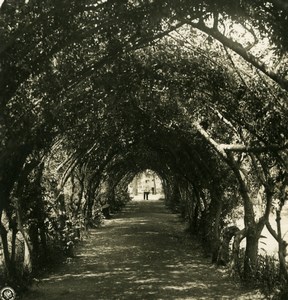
143,149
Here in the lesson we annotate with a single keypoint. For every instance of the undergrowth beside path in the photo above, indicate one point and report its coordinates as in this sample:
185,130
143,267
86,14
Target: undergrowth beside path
142,253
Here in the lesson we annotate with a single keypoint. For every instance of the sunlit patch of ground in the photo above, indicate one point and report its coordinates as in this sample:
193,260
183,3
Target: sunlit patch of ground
143,253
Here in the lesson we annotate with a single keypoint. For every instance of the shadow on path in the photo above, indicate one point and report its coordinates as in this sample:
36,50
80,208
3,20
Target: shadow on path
143,253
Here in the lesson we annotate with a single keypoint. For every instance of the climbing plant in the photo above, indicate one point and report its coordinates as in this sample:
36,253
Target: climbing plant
92,93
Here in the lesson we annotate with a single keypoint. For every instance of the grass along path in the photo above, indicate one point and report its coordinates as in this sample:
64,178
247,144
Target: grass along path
142,253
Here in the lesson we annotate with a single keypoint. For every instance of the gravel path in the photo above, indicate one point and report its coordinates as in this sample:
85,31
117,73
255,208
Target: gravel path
142,253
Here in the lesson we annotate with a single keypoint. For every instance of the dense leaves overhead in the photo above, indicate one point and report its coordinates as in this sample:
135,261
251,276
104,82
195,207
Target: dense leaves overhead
110,73
94,92
74,68
72,48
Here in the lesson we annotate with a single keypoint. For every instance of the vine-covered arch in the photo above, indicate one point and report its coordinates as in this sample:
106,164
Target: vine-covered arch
115,87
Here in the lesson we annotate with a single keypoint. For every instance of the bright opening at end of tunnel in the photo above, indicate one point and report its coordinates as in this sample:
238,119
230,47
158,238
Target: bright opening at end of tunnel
146,185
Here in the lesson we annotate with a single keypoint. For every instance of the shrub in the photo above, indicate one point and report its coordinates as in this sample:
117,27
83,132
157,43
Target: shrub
266,277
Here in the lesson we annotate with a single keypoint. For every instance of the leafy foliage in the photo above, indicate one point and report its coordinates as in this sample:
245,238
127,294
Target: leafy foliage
94,93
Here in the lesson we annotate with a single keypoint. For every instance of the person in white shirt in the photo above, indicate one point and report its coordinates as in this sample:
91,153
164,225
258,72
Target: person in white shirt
146,190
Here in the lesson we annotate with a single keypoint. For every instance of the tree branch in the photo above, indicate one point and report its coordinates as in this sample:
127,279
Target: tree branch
218,147
272,231
253,149
240,50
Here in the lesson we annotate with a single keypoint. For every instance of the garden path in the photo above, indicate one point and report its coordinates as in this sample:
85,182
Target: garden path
142,253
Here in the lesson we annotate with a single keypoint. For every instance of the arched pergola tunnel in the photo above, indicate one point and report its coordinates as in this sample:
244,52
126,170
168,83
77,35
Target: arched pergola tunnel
115,88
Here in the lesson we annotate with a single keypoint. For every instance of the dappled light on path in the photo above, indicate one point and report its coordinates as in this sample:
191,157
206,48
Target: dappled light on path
143,253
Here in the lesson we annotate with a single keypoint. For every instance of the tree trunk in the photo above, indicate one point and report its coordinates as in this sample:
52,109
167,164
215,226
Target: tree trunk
253,230
71,200
79,196
11,163
27,263
223,257
238,237
282,245
212,224
13,242
9,266
88,214
43,239
195,219
251,252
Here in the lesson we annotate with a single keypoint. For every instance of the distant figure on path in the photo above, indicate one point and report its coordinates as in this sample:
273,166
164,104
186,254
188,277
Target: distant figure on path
146,190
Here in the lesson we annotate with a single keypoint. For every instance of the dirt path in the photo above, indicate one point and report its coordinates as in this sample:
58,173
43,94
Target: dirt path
142,253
